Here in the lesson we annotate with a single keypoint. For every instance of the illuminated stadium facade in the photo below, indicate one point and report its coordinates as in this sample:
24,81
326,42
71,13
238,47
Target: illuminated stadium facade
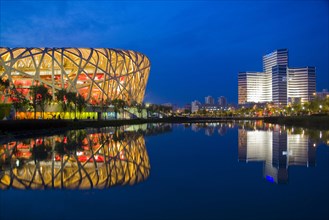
97,74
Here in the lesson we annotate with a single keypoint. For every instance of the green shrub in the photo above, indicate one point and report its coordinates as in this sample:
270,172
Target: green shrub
4,110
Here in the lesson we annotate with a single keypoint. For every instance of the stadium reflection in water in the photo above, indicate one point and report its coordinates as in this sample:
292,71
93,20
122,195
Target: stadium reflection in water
105,157
78,159
278,147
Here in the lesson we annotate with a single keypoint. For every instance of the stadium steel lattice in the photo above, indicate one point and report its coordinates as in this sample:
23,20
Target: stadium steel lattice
97,74
96,160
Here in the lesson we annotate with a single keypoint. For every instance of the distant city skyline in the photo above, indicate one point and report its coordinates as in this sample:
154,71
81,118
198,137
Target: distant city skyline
189,60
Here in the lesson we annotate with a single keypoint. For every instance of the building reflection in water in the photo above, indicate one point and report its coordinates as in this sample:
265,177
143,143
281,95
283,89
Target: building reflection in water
278,148
210,128
78,159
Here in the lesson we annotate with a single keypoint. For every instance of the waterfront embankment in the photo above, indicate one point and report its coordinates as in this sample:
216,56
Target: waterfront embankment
21,126
320,122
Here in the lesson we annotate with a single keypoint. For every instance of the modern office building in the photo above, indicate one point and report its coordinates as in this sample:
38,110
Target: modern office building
97,74
301,84
242,88
276,58
277,83
253,87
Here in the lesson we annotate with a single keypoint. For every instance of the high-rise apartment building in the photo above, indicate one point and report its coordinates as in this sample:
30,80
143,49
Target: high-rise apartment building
301,84
195,106
222,102
209,100
277,83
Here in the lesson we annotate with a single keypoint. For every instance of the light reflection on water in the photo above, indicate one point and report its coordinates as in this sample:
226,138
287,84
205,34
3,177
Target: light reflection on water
278,147
78,159
106,157
194,171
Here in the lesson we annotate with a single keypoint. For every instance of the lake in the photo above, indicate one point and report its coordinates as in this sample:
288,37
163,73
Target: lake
245,170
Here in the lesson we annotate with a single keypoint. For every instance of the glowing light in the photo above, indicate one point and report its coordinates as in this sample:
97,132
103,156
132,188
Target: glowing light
96,76
270,179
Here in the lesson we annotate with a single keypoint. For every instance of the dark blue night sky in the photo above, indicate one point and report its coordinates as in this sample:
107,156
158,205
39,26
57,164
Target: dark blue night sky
196,48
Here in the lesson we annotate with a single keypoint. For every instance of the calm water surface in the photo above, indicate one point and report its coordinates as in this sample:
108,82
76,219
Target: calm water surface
192,171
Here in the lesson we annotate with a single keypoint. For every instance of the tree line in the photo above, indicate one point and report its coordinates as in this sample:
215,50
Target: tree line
315,106
69,101
40,97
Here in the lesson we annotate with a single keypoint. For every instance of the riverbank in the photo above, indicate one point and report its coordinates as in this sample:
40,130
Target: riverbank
33,125
320,122
19,126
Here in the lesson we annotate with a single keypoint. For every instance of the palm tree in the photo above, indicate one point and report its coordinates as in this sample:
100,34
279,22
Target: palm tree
17,98
4,85
40,152
119,105
40,97
81,103
61,98
61,151
19,101
93,104
71,100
